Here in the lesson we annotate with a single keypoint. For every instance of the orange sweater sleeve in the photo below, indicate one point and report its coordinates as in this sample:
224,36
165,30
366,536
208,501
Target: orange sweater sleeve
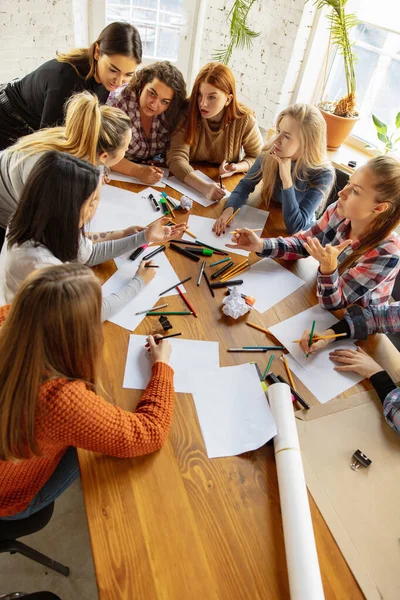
4,310
75,416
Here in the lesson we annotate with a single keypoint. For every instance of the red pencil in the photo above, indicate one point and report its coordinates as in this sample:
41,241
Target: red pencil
186,301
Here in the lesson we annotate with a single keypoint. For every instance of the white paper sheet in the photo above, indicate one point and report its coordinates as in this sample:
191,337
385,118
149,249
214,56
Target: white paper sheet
317,371
190,360
181,187
119,209
233,411
301,553
253,218
149,295
120,177
269,283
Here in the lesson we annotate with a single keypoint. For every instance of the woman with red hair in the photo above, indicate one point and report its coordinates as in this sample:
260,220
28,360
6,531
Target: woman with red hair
217,129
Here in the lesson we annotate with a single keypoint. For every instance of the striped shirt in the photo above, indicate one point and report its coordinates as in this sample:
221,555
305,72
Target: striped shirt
141,147
369,281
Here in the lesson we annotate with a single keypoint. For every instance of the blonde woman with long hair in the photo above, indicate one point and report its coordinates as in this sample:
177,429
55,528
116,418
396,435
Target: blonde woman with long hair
50,347
98,134
37,100
294,170
354,242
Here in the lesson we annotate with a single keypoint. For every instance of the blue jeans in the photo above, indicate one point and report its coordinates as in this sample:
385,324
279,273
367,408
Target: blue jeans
65,473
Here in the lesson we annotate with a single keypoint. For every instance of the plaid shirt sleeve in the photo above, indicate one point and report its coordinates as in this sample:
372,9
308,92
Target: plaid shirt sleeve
391,409
118,100
292,248
334,291
374,319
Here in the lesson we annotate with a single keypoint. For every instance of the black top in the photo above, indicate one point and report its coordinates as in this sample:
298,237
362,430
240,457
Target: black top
39,97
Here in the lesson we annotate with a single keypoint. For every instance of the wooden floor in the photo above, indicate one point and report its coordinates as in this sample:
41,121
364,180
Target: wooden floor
176,525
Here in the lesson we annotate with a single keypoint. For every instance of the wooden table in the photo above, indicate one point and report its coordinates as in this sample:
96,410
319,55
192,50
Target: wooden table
175,525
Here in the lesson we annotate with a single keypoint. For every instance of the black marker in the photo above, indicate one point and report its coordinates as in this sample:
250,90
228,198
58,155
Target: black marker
154,201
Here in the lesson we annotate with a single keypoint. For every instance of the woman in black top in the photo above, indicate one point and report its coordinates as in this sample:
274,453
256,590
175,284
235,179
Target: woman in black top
37,100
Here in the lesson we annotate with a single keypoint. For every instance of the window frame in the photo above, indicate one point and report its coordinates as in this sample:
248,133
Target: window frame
191,33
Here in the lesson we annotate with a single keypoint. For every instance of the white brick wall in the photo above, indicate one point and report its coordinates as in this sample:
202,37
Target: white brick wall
265,75
32,30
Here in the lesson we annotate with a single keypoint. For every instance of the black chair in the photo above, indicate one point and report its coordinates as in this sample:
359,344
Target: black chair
10,531
341,181
34,596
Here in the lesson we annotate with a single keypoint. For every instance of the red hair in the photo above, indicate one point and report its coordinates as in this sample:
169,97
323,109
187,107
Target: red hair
221,77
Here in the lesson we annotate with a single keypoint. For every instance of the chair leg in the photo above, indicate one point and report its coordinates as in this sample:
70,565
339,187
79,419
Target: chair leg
16,546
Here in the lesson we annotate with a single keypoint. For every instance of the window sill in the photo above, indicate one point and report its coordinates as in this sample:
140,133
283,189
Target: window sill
344,154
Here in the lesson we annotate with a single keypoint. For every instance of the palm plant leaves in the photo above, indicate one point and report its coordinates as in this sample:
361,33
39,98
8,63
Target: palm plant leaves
241,36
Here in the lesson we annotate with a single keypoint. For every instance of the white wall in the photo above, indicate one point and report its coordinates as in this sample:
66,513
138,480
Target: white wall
32,30
265,75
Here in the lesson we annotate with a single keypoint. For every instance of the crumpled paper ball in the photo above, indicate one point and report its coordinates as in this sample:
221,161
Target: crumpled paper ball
234,305
186,202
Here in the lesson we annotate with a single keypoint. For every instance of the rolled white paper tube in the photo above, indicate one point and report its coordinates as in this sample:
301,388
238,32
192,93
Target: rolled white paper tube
301,554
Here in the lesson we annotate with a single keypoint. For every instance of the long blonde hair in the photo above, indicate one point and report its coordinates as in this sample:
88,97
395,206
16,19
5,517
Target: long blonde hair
53,330
386,171
89,130
312,154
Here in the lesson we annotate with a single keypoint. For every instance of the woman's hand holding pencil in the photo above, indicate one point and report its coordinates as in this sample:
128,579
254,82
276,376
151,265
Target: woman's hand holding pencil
319,340
246,239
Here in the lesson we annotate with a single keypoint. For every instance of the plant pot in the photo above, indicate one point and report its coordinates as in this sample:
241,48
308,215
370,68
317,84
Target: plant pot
337,128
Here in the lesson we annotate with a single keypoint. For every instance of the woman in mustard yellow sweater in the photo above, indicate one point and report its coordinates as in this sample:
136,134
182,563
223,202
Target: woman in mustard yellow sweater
50,344
217,129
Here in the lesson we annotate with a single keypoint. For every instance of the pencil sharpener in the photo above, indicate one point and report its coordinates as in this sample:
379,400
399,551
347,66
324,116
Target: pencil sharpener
359,459
165,323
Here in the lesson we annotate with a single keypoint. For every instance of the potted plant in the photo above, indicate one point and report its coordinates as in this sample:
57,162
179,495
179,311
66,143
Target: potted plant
342,115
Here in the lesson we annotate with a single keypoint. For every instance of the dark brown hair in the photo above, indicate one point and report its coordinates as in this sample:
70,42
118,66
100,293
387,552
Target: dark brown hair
169,75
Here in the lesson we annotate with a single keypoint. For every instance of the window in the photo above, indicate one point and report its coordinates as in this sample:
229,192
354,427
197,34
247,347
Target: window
377,48
159,23
169,29
377,75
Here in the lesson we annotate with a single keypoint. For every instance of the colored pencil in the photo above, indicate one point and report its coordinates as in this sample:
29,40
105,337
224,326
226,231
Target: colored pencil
265,347
186,230
220,261
267,331
141,312
235,268
289,374
220,181
151,266
271,358
178,312
186,301
245,350
174,286
169,204
323,337
164,337
222,270
209,284
236,231
242,267
311,337
232,216
203,264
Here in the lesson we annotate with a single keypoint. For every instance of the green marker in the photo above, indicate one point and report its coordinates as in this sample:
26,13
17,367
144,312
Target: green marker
164,206
271,358
202,251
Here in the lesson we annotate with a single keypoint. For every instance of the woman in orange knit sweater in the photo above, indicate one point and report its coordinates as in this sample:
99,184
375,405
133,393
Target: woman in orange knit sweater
50,346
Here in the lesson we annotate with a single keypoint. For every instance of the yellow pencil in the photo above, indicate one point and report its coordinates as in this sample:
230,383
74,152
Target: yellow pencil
267,331
232,216
237,272
289,374
186,231
323,337
234,269
170,206
235,230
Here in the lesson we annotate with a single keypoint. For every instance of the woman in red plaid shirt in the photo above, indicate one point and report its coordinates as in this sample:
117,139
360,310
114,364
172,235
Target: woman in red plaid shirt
354,241
153,100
